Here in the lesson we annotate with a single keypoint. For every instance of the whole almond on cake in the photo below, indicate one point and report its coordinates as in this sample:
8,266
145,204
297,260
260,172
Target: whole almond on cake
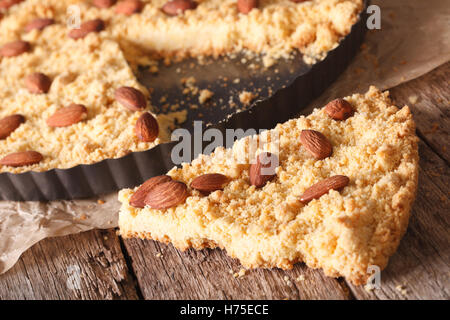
339,109
131,98
20,159
264,169
147,128
6,4
87,27
166,195
39,24
38,83
9,124
129,7
138,198
209,182
15,48
68,116
316,144
103,4
245,6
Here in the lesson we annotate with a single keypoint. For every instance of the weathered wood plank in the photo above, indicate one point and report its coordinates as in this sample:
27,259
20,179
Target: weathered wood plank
429,100
88,265
420,269
164,272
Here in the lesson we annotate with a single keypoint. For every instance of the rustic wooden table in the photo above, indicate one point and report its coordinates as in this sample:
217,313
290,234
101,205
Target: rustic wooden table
100,265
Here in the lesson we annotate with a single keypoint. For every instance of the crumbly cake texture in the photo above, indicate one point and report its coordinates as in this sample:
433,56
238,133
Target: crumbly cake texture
215,27
86,71
341,232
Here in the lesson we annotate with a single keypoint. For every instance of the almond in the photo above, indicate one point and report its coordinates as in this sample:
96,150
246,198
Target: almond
9,124
129,7
166,195
131,98
176,7
245,6
103,4
322,187
87,27
316,143
38,83
39,24
15,48
68,116
6,4
209,182
146,128
339,109
137,199
298,1
264,169
20,159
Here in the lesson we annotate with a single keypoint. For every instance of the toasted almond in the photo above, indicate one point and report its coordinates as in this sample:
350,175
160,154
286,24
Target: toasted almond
209,182
316,143
264,169
39,24
19,159
15,48
103,4
176,7
298,1
38,83
339,109
322,187
129,7
146,128
131,98
68,116
87,27
137,199
166,195
245,6
6,4
9,124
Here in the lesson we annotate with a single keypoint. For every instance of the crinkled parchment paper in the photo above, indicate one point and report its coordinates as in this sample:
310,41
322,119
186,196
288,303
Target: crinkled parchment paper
414,39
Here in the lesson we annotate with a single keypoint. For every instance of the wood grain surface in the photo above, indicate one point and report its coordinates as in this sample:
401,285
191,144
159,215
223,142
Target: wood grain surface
99,265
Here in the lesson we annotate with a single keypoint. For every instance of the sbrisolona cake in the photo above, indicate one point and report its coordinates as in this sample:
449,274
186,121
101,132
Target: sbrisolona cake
68,96
338,197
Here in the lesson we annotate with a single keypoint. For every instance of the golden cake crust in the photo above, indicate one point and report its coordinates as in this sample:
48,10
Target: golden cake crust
341,232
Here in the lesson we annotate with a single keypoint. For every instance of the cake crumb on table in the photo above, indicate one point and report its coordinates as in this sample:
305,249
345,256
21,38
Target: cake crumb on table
242,272
300,278
246,97
205,95
413,99
402,289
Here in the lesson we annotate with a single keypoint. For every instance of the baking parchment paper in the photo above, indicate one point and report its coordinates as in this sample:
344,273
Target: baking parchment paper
414,39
